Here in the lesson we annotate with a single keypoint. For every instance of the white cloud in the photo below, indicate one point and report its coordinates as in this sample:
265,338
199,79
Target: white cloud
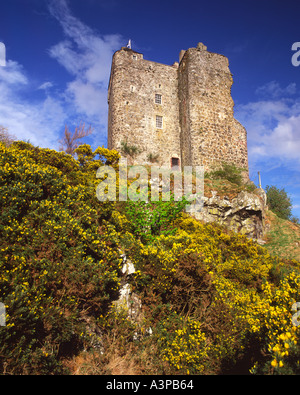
274,90
284,140
12,74
87,56
273,131
88,99
46,85
39,122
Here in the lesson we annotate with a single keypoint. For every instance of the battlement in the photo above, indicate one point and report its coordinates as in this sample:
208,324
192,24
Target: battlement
181,113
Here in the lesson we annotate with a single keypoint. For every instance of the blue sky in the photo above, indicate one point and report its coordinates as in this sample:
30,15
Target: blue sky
58,57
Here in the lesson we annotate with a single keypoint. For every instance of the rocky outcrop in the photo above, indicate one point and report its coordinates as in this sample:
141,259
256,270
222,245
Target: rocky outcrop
128,300
244,213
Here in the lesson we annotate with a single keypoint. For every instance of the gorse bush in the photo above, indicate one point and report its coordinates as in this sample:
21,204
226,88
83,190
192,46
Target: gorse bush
215,301
59,261
225,303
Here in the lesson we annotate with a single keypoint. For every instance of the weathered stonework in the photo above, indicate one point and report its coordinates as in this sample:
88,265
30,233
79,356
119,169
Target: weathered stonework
198,126
132,108
244,213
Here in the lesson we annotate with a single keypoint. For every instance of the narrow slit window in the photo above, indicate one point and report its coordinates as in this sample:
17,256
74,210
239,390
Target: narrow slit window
174,162
159,122
157,98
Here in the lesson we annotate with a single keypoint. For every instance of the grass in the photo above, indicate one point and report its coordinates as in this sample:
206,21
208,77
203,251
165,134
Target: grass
131,358
283,237
223,188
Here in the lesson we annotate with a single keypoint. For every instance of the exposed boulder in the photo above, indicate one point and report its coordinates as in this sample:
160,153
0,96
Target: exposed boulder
244,213
128,300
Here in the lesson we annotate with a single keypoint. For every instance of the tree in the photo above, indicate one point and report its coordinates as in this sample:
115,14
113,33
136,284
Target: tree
5,137
279,202
70,141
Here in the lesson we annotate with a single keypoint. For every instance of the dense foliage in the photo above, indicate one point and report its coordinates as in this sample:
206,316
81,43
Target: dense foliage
279,202
151,220
216,302
225,303
59,258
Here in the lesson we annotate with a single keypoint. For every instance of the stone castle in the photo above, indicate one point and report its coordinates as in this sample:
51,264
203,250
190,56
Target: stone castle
181,115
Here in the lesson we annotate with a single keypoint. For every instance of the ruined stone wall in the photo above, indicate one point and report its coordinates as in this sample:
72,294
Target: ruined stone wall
198,125
210,134
184,113
132,108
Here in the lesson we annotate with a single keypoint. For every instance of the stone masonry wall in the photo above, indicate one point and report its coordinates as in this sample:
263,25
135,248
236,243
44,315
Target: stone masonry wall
197,109
206,109
132,108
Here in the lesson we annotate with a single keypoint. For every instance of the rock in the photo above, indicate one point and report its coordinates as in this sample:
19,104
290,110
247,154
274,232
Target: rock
245,213
261,242
260,192
201,47
128,300
128,267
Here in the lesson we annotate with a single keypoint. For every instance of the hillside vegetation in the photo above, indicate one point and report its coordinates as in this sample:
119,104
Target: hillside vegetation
283,237
215,301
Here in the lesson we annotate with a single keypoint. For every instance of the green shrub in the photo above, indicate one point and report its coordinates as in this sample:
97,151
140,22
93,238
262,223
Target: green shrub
129,150
279,202
227,171
150,219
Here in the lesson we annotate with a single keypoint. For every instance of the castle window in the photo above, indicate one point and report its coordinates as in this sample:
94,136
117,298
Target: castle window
174,162
157,98
159,122
134,57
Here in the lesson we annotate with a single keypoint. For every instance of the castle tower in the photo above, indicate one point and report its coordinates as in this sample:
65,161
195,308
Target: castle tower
144,107
209,132
183,114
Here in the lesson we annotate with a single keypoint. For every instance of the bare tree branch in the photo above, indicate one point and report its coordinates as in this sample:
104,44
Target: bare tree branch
5,137
69,142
